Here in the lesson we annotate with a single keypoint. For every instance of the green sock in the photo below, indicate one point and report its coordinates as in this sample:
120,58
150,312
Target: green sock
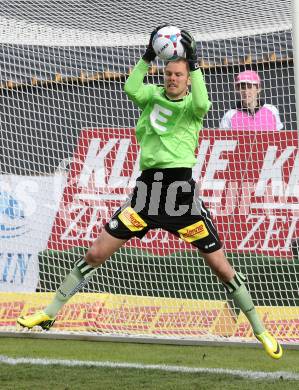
75,280
241,297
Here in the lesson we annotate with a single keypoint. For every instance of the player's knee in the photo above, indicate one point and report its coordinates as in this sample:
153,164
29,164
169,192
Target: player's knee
235,283
95,256
219,264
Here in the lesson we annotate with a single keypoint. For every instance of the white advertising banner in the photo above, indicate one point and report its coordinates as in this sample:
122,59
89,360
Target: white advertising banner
28,205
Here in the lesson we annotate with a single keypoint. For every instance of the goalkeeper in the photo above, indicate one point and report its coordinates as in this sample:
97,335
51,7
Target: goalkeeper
165,193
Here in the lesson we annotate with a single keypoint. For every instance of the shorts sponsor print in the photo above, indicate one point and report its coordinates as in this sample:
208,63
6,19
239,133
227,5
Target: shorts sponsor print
132,220
201,233
194,232
195,226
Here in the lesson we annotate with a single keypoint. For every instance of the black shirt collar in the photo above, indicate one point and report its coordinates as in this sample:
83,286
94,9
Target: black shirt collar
178,100
239,106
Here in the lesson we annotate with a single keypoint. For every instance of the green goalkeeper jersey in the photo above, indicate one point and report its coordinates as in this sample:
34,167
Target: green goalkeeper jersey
167,130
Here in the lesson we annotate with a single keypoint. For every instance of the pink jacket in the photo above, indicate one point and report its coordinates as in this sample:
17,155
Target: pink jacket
266,117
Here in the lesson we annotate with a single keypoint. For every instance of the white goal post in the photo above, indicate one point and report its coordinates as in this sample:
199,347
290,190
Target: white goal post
69,158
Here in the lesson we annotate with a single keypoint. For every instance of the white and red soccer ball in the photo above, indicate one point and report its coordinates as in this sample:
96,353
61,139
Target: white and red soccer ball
167,43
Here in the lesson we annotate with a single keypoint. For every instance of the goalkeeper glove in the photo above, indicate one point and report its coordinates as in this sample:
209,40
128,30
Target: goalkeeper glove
190,47
150,54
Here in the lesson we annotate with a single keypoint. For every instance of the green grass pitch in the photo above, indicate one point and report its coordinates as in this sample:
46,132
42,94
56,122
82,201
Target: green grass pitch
28,376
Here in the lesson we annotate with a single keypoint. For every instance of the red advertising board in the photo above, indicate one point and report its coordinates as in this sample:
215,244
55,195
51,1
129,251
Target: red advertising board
248,179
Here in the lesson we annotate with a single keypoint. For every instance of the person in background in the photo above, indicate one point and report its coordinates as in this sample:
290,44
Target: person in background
251,112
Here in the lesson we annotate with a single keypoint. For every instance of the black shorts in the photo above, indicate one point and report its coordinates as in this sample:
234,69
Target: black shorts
167,199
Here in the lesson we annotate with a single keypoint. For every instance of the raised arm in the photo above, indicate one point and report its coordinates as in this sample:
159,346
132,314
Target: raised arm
200,99
138,92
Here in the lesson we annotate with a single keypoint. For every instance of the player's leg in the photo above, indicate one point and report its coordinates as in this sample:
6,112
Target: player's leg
198,229
234,284
102,248
124,224
237,291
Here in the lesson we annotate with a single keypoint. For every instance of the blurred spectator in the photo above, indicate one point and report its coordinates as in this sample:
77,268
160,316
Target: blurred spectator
251,112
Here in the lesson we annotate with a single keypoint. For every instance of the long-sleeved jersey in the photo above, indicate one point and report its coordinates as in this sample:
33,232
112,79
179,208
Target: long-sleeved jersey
167,130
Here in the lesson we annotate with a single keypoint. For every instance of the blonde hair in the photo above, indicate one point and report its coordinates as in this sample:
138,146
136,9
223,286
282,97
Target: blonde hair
179,59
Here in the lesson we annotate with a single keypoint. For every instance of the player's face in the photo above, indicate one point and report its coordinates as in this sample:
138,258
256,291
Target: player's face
176,79
249,94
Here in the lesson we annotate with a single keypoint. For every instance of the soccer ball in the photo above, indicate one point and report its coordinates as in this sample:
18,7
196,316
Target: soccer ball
167,43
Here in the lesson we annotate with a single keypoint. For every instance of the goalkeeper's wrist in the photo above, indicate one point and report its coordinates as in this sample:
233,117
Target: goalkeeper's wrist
149,56
193,65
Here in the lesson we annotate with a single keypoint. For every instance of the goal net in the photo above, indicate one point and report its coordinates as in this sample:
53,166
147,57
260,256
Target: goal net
69,158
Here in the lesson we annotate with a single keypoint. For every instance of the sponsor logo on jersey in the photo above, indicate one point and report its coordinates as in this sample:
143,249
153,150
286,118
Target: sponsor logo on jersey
131,220
194,232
